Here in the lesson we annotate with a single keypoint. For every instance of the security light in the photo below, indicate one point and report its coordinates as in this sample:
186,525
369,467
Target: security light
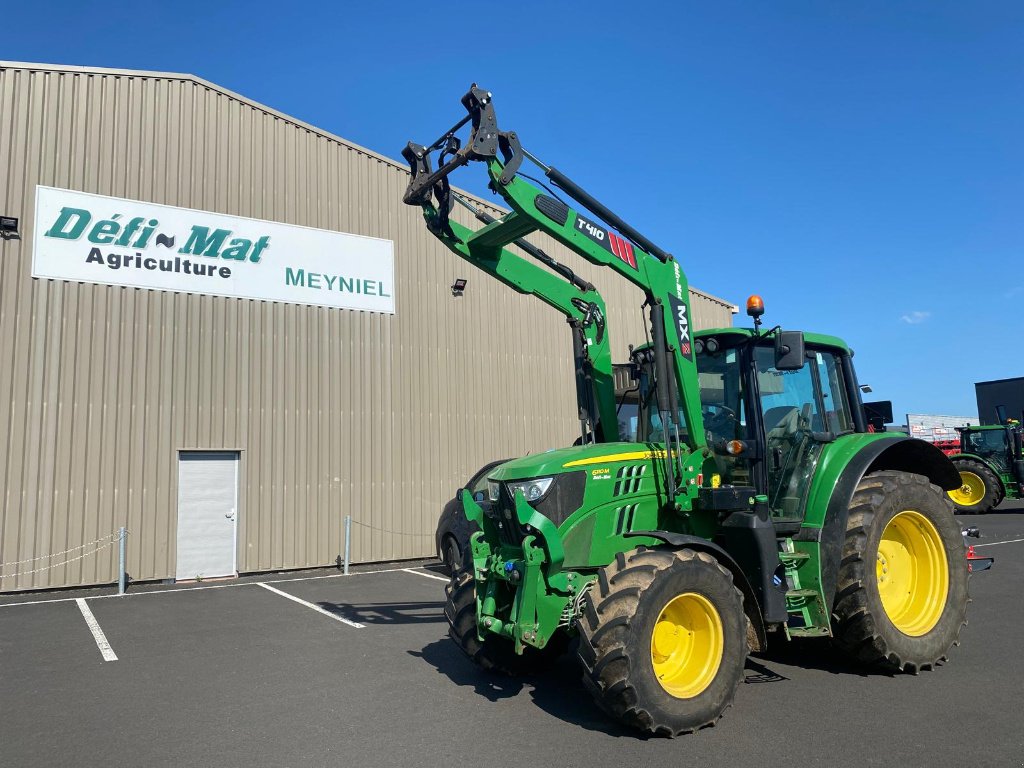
8,224
459,286
865,388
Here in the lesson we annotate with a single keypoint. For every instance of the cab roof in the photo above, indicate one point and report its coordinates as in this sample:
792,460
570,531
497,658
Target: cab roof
817,339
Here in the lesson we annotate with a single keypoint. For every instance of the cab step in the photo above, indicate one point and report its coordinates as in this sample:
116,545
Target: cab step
808,616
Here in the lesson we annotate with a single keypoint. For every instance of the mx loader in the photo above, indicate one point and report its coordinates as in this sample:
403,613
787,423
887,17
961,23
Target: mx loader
753,505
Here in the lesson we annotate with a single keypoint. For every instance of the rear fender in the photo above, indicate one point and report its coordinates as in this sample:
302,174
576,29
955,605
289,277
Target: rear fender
984,462
898,454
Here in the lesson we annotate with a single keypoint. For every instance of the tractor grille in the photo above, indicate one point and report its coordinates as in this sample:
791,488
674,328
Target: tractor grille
563,498
510,532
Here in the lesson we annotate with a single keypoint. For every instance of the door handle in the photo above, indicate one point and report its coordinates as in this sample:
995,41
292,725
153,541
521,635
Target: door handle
230,515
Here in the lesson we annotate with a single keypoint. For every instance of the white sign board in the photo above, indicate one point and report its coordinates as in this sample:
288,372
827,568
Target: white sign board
112,241
933,427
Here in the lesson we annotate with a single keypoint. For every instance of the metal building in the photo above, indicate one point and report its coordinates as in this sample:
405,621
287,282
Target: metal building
242,428
1007,393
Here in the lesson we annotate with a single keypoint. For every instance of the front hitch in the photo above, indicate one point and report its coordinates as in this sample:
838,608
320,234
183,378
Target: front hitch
520,591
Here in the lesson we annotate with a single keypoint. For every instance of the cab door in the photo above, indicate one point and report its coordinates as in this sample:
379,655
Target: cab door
801,411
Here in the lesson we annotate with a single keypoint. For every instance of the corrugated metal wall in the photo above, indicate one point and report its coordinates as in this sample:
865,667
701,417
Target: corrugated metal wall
334,411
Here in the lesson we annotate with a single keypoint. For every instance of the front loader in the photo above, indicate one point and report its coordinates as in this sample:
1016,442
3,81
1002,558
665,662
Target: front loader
754,505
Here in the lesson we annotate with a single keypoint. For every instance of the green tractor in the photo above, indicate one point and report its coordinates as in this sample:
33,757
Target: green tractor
991,465
753,504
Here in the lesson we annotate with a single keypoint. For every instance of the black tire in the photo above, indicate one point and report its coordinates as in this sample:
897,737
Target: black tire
993,488
494,653
451,555
616,630
862,627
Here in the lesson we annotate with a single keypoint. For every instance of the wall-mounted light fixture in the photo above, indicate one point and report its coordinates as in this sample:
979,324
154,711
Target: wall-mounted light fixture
459,286
8,224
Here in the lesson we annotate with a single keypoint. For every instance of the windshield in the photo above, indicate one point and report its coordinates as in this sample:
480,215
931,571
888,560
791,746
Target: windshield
649,426
986,443
721,396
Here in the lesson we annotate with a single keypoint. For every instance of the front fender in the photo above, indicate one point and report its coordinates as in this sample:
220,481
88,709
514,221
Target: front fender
751,604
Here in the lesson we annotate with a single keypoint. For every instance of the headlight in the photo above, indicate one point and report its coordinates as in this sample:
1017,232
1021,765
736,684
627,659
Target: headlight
493,489
532,489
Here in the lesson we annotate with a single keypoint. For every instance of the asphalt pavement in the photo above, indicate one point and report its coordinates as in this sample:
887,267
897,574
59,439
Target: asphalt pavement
358,670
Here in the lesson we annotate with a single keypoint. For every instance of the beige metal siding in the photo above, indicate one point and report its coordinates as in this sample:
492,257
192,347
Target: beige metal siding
334,412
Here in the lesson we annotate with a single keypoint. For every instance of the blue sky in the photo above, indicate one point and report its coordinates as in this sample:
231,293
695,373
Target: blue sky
859,164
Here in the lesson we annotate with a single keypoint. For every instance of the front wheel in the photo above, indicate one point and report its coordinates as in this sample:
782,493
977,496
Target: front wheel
663,640
493,653
902,593
979,490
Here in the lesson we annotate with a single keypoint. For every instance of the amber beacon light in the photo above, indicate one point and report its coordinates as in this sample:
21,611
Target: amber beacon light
755,306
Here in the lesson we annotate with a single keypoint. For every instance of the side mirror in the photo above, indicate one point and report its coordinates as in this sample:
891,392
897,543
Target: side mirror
789,350
1001,415
878,414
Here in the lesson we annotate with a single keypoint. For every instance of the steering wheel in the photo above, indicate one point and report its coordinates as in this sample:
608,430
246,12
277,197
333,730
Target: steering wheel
717,417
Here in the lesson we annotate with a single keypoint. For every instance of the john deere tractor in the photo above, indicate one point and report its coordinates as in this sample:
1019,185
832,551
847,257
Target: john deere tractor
754,505
991,465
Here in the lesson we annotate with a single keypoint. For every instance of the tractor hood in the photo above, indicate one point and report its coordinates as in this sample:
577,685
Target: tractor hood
574,458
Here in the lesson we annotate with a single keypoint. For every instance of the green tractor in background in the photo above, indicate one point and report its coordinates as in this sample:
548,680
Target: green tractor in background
991,465
752,505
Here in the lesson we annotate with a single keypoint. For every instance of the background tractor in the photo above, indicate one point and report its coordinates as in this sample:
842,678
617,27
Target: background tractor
991,465
752,504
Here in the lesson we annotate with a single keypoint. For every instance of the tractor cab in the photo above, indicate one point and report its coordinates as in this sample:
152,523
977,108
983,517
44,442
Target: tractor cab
771,401
999,445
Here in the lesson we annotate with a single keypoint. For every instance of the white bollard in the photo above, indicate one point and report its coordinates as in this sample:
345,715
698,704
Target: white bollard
348,540
120,557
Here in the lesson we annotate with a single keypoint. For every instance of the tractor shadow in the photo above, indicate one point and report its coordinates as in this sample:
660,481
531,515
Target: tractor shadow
559,690
388,613
813,655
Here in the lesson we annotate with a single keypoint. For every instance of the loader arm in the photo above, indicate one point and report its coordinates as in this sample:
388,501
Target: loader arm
578,300
585,230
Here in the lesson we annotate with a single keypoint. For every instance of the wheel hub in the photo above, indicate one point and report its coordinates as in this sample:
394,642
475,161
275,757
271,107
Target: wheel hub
971,490
687,645
912,573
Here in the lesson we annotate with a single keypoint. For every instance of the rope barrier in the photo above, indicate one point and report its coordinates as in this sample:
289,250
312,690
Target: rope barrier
58,554
393,533
110,539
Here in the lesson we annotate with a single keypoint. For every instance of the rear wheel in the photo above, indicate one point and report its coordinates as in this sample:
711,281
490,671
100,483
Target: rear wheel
902,595
663,640
980,489
493,653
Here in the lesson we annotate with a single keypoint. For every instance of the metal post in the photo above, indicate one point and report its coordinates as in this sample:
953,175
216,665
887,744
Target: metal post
120,558
348,540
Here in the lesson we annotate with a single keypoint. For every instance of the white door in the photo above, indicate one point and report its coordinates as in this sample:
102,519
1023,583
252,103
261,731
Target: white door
207,514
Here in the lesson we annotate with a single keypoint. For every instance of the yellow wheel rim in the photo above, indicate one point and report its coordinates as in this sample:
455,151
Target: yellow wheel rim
971,490
913,574
687,645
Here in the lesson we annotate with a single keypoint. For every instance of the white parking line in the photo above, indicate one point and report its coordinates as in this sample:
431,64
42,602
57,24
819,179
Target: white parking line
426,575
993,543
97,633
316,608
